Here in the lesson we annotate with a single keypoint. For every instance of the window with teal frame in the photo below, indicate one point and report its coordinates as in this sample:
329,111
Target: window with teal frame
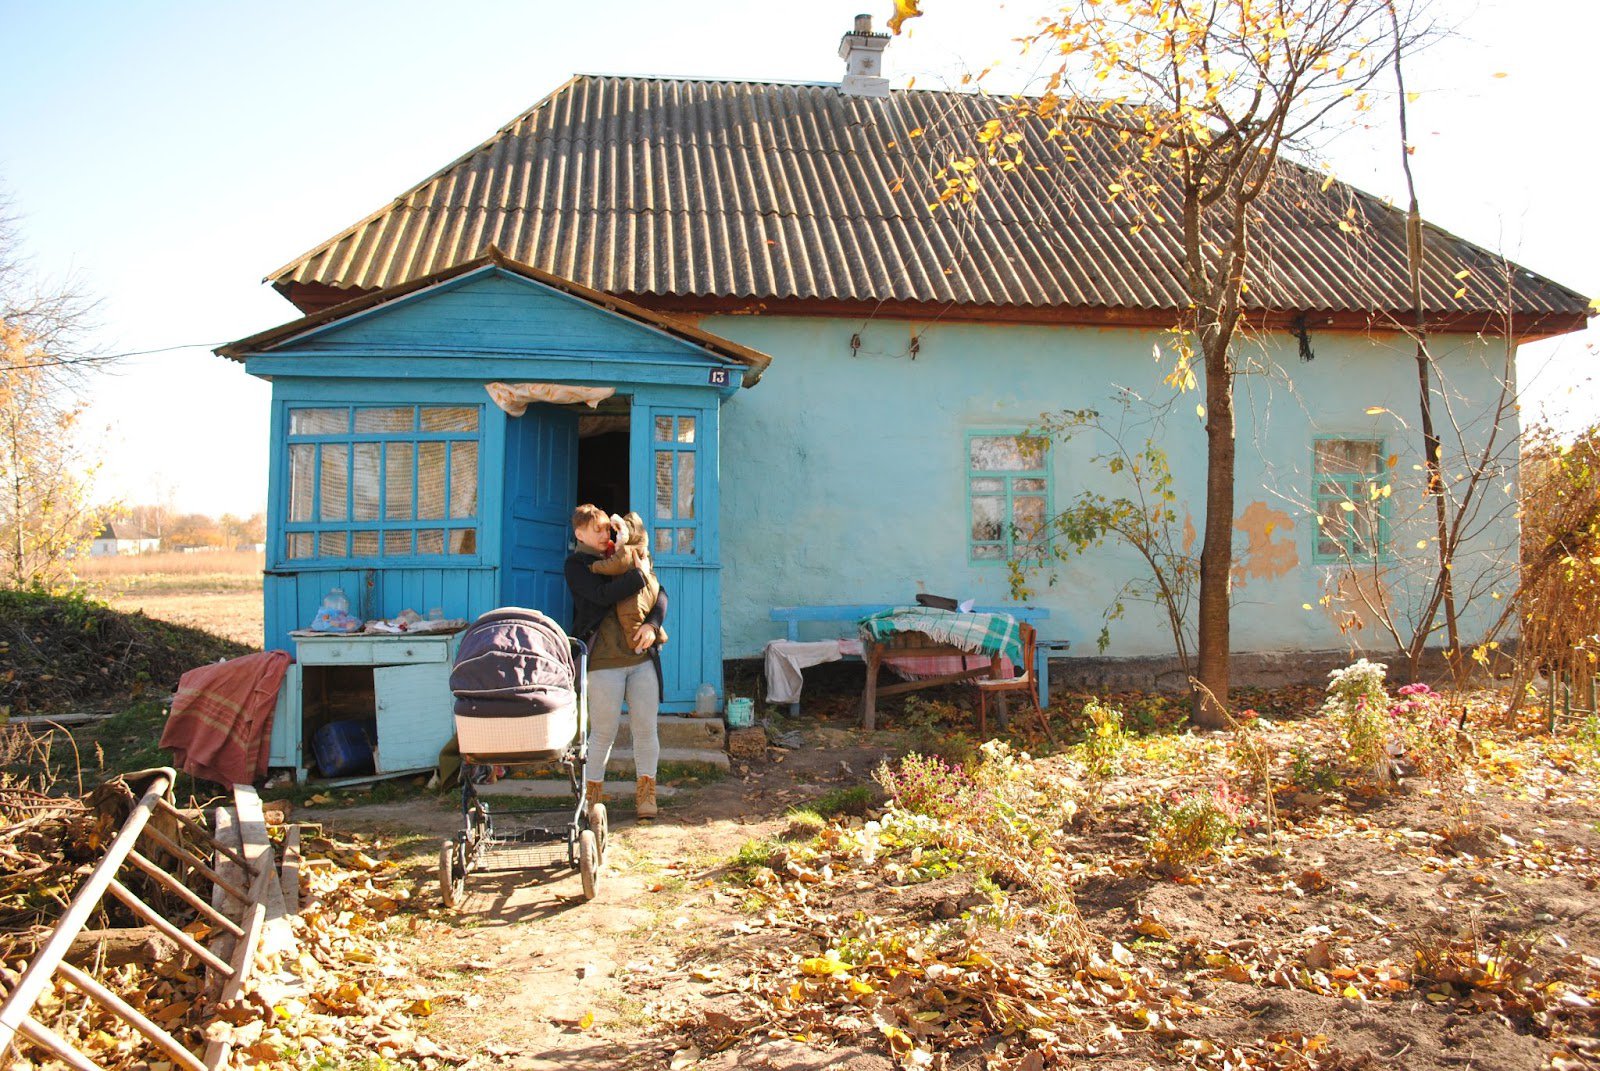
1008,494
674,469
1351,500
380,482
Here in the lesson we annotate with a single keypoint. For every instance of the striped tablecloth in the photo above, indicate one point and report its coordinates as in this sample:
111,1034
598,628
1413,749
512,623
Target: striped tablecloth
978,633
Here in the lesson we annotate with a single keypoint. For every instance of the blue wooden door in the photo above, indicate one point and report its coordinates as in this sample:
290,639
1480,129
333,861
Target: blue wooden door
675,488
541,484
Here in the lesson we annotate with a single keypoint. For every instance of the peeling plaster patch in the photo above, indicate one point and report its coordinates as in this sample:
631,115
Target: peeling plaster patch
1353,599
1264,557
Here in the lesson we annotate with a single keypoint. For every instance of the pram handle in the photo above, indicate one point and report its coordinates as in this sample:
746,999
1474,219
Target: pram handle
580,687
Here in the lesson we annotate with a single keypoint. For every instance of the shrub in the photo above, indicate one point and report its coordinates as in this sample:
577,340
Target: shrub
998,817
1310,771
1434,743
1359,705
1102,748
935,729
922,784
1187,830
1558,602
1587,735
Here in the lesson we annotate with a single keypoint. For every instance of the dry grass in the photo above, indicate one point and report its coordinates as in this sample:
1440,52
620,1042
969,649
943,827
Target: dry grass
127,570
217,591
236,615
1559,601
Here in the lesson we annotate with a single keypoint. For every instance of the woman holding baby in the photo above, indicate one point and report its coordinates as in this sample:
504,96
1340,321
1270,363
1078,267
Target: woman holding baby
618,609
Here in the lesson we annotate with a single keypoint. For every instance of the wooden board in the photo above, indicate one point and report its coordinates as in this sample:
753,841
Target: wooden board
258,854
290,879
225,829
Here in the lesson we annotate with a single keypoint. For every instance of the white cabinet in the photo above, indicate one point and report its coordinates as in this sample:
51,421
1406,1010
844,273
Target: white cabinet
402,683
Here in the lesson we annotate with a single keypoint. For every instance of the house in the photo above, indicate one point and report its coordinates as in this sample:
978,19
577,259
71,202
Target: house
121,537
734,312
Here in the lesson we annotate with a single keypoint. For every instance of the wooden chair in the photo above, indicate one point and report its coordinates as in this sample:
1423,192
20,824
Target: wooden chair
1027,682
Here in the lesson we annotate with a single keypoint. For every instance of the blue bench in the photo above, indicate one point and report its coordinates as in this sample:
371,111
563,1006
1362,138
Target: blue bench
795,616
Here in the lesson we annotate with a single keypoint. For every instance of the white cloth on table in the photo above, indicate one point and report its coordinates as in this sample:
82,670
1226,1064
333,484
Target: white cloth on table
786,658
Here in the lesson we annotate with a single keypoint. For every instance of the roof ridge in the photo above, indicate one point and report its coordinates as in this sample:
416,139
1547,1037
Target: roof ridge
808,83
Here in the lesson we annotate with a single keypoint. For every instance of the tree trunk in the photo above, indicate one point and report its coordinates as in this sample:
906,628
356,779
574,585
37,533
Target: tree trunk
1432,451
1216,550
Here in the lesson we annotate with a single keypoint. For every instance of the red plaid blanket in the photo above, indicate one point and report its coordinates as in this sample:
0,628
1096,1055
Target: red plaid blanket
221,722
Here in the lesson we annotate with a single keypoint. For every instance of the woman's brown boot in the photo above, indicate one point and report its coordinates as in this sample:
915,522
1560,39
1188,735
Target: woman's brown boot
593,792
644,797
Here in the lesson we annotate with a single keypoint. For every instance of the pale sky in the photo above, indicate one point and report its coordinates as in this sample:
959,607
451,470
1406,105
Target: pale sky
171,154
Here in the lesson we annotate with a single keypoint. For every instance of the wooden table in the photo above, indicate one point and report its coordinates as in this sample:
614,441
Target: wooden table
795,616
920,644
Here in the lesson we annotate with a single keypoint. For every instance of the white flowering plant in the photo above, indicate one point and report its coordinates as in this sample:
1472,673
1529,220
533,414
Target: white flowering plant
1360,705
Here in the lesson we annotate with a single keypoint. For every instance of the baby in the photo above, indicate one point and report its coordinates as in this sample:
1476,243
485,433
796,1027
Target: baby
629,549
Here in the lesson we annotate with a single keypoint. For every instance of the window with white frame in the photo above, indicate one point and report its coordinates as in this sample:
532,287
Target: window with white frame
675,457
1351,500
381,482
1008,494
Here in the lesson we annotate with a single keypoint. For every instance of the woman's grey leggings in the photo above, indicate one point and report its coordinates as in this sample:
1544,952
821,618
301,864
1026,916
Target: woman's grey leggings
607,690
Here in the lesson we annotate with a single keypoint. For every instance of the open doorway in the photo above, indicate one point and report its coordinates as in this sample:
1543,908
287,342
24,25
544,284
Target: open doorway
603,455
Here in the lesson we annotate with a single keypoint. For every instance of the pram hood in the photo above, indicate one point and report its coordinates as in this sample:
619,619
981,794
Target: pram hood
513,663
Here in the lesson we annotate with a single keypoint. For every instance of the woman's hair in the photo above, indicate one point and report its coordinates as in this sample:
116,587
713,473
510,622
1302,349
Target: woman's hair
587,514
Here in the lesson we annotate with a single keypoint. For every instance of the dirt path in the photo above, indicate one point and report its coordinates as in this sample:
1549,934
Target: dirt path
529,976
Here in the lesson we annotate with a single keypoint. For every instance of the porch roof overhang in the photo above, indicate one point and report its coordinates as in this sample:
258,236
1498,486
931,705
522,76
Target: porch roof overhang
752,362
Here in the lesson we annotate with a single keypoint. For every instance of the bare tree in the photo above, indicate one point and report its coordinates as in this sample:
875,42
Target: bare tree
1471,444
1467,474
55,315
1204,100
45,518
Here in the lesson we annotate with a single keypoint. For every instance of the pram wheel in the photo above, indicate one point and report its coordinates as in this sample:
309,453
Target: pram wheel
588,862
452,874
601,824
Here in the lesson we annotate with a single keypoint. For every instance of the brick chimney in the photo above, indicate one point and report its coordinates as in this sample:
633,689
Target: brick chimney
862,52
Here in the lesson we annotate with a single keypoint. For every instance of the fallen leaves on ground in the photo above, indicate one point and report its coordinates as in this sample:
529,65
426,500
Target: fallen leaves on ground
1365,900
346,990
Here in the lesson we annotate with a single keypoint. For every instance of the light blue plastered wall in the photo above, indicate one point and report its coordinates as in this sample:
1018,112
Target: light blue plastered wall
844,474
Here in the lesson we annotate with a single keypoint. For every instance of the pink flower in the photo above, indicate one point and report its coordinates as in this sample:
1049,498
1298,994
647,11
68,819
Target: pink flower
1416,689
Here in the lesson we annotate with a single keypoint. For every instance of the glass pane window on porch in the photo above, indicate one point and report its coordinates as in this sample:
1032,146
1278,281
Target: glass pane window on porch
1350,485
675,520
381,482
1008,495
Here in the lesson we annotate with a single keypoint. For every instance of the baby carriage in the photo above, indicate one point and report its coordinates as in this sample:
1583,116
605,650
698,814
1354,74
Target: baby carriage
519,687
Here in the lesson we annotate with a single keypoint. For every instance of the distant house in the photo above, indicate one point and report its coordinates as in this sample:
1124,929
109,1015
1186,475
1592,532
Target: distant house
636,252
122,537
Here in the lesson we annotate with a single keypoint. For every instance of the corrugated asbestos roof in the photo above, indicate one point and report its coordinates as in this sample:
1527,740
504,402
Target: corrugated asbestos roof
677,187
